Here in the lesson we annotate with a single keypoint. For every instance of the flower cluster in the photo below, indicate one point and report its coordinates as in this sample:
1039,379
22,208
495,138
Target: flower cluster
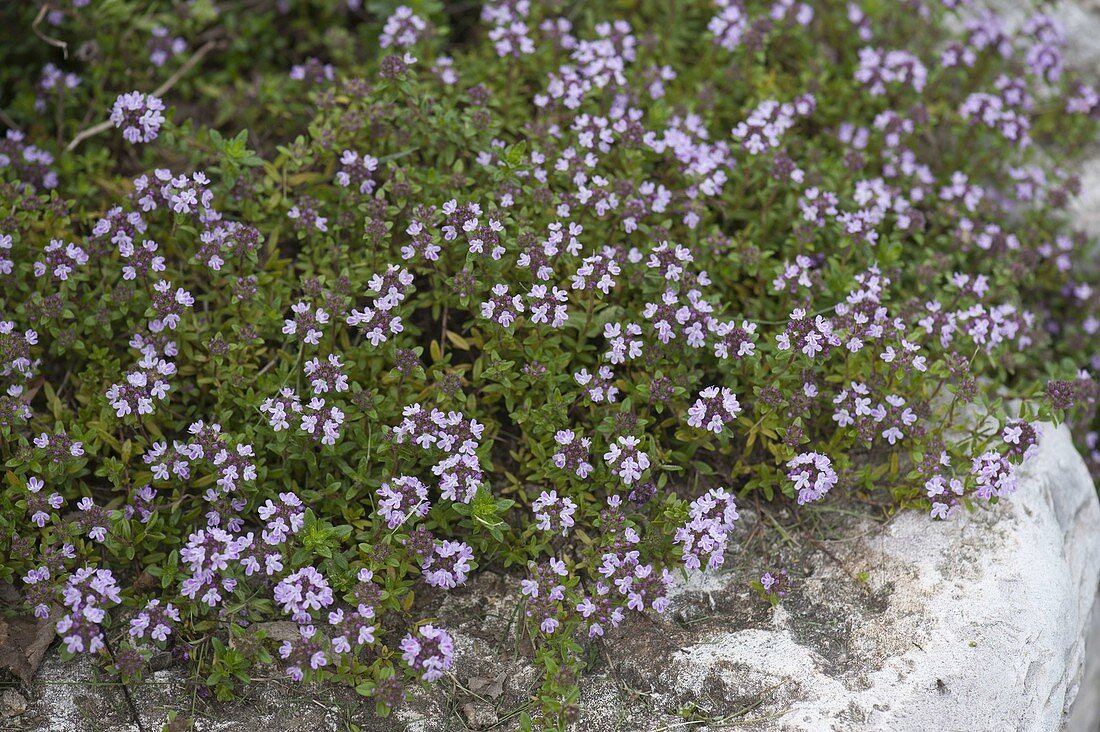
706,533
87,596
812,474
402,498
303,592
156,620
429,651
625,460
449,565
714,409
139,116
552,513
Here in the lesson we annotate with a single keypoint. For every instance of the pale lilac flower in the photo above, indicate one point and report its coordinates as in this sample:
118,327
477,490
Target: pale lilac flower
769,121
460,476
878,67
714,409
502,307
144,385
313,71
598,271
163,47
599,611
357,171
139,116
626,460
402,498
321,422
624,342
168,305
141,260
1022,438
326,376
547,306
512,39
430,652
553,513
640,583
40,505
812,474
60,260
543,593
155,619
302,592
995,476
282,519
449,565
403,29
87,594
733,341
706,533
598,387
573,453
306,324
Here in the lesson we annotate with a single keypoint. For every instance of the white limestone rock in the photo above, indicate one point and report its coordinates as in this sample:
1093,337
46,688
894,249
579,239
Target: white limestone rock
978,623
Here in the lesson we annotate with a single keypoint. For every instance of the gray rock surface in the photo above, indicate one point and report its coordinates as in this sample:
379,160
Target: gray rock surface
1085,714
975,624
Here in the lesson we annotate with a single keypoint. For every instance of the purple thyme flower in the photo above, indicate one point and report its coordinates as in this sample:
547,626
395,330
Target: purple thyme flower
502,307
162,47
60,260
543,593
600,611
155,619
144,384
706,533
1021,438
598,387
714,409
548,305
626,460
139,116
641,584
995,476
449,565
553,513
573,454
812,474
87,594
403,29
302,592
306,324
460,476
306,652
429,652
624,342
38,504
283,519
326,376
356,171
402,498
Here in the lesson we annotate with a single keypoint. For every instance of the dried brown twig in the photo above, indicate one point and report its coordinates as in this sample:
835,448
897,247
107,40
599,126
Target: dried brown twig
161,90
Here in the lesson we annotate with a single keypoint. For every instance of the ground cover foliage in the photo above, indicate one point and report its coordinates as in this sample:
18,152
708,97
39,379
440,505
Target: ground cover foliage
312,308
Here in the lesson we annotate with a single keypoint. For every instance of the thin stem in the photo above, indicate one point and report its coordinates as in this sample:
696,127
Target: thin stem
159,91
48,39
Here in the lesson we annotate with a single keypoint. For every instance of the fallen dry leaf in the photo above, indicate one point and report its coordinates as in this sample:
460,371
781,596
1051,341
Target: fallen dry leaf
23,643
490,688
279,630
